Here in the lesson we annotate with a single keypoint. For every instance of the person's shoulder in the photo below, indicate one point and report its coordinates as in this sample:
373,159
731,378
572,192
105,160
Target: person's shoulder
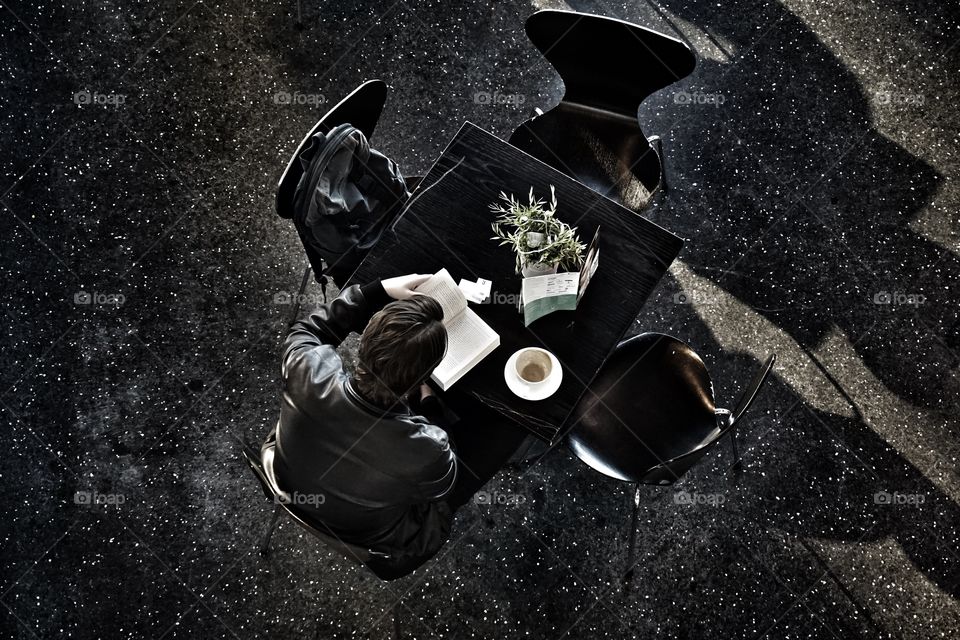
430,443
437,466
314,365
437,435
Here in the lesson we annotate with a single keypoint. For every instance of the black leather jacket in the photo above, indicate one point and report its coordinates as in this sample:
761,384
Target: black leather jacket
376,477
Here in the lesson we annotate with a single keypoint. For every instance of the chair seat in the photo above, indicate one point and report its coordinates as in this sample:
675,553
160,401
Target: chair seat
652,402
361,108
608,67
603,150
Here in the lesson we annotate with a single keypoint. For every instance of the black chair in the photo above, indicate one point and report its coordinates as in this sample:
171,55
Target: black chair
362,109
262,466
608,67
649,415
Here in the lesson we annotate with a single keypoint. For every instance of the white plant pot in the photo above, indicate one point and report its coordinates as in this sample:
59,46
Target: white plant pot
535,239
537,269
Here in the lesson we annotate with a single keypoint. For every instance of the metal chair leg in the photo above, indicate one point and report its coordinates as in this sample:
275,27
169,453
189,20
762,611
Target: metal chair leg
298,25
397,632
737,460
632,550
296,304
528,454
658,144
265,545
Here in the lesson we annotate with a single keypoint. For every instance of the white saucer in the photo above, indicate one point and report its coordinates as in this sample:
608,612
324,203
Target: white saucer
527,391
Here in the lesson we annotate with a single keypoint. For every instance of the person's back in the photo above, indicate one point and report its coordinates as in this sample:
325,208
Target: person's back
348,451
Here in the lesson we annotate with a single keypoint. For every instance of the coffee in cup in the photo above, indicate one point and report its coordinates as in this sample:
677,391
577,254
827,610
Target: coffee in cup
534,365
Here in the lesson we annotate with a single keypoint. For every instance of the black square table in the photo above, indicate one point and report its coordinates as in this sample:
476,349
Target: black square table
446,223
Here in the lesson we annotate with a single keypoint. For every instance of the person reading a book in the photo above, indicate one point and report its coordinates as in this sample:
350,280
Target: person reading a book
375,456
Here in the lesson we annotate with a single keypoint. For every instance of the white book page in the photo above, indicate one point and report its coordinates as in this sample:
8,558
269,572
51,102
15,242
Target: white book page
469,340
444,290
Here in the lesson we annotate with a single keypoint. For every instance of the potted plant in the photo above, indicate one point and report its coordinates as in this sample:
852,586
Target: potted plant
542,242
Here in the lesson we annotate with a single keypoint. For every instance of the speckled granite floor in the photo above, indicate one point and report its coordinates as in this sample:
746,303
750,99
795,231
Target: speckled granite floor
813,160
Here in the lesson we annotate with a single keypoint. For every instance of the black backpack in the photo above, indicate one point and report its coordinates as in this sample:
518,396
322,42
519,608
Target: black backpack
347,196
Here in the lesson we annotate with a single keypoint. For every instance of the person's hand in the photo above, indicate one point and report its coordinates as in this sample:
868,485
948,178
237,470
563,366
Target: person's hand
419,395
426,391
402,287
429,403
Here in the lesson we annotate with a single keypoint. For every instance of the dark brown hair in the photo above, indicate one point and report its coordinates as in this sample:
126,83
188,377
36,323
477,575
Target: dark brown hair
400,347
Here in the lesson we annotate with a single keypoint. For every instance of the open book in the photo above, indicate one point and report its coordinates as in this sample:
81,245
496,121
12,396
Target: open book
541,295
469,339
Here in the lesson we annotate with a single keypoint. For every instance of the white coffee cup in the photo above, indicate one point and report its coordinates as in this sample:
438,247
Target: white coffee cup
534,365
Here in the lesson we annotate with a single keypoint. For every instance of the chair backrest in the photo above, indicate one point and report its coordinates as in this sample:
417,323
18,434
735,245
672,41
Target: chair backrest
262,467
362,109
605,63
670,470
650,406
608,67
253,461
608,153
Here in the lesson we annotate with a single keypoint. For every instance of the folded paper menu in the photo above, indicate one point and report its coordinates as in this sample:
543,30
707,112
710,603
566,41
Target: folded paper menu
469,338
541,295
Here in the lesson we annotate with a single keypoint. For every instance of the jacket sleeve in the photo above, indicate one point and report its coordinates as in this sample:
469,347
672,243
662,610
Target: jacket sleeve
333,322
440,475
